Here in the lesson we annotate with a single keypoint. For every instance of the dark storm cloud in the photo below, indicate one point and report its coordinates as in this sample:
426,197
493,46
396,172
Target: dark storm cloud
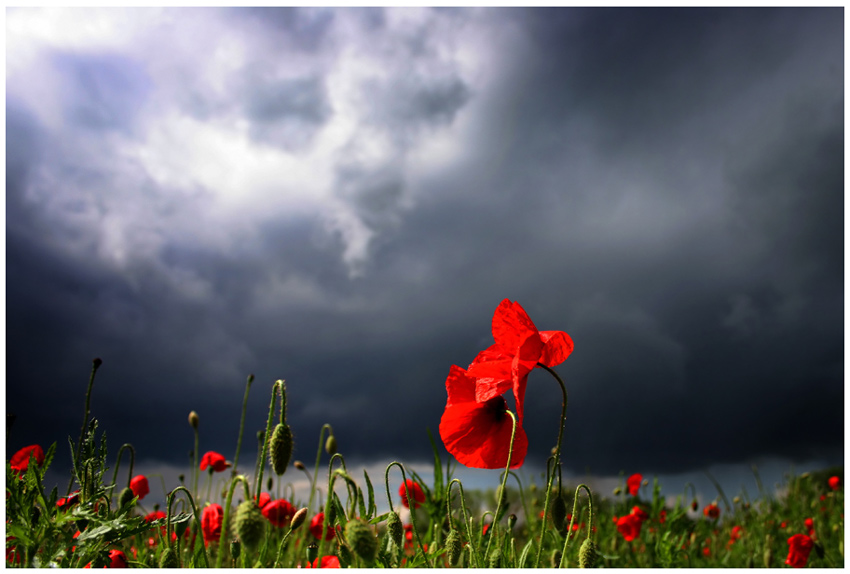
664,185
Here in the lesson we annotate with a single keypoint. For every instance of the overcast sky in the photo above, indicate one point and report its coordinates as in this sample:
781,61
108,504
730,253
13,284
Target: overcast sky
341,198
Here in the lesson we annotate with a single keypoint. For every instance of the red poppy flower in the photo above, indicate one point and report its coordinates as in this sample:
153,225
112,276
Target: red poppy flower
810,526
518,347
478,433
117,559
327,562
834,482
799,548
415,490
629,526
279,512
633,483
211,519
139,486
640,513
20,460
711,511
316,527
265,498
662,516
214,460
68,501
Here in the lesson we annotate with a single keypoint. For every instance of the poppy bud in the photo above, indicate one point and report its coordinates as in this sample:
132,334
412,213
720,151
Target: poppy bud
312,552
694,505
558,513
736,500
168,559
298,519
125,497
645,483
235,549
395,529
495,558
194,420
180,477
97,362
330,445
453,546
363,541
261,434
250,524
587,554
280,449
299,465
269,483
511,521
618,491
555,559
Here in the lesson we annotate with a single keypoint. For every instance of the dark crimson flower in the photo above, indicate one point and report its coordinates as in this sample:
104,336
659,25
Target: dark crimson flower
694,505
633,483
20,460
139,486
214,460
68,501
629,526
211,519
316,527
799,548
265,498
155,515
640,513
415,490
711,511
834,482
518,347
478,432
117,559
279,512
327,562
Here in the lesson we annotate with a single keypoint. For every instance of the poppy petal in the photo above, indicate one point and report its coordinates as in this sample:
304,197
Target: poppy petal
511,326
460,386
557,346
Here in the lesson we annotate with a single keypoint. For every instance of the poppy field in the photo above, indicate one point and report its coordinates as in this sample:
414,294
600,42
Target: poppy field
100,519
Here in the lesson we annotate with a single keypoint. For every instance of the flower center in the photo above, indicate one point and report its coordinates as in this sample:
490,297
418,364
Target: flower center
496,407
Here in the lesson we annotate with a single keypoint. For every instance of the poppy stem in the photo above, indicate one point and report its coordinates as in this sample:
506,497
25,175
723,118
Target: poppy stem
563,561
276,387
195,470
95,365
241,425
497,515
315,477
409,498
194,512
329,501
233,483
557,459
118,463
521,496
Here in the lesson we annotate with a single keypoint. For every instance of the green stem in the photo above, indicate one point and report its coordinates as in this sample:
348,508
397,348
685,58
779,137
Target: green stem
280,548
118,464
502,492
315,477
409,498
557,458
563,561
241,426
277,387
521,497
233,482
720,490
195,457
95,365
328,502
465,515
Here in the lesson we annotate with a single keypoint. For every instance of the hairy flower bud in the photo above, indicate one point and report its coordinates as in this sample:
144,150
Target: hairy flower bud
558,512
494,560
235,549
250,524
330,445
362,539
125,497
194,420
298,519
169,559
280,448
395,529
454,547
587,554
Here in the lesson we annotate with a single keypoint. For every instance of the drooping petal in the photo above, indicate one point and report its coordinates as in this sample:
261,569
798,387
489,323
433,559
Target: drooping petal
511,326
491,370
21,459
478,435
557,346
460,386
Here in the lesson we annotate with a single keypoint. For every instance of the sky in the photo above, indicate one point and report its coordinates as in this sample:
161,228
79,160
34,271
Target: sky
341,198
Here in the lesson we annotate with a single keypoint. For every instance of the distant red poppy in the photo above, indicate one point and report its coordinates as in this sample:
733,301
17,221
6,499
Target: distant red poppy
834,482
68,501
799,548
810,526
518,348
279,512
316,527
633,483
629,526
265,498
155,515
415,490
640,513
211,519
117,559
478,433
662,516
734,535
327,562
214,460
139,486
20,460
694,505
711,511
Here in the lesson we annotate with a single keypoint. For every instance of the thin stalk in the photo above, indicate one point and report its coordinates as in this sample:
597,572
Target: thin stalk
277,387
409,498
521,496
563,561
502,492
195,469
95,365
315,477
720,490
118,464
194,512
280,548
233,482
241,425
465,514
328,502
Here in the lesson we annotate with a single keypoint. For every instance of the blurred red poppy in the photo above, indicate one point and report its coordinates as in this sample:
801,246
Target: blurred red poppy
629,526
316,527
662,516
68,501
214,460
20,460
834,482
734,535
518,348
117,559
279,512
633,483
415,490
478,433
211,519
327,562
799,548
810,526
711,511
139,486
265,498
640,513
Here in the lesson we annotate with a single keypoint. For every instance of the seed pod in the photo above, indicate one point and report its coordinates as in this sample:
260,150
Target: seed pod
250,524
395,529
270,484
168,559
298,519
125,497
558,512
194,420
312,552
344,555
362,539
330,445
453,545
235,549
511,521
280,448
587,554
